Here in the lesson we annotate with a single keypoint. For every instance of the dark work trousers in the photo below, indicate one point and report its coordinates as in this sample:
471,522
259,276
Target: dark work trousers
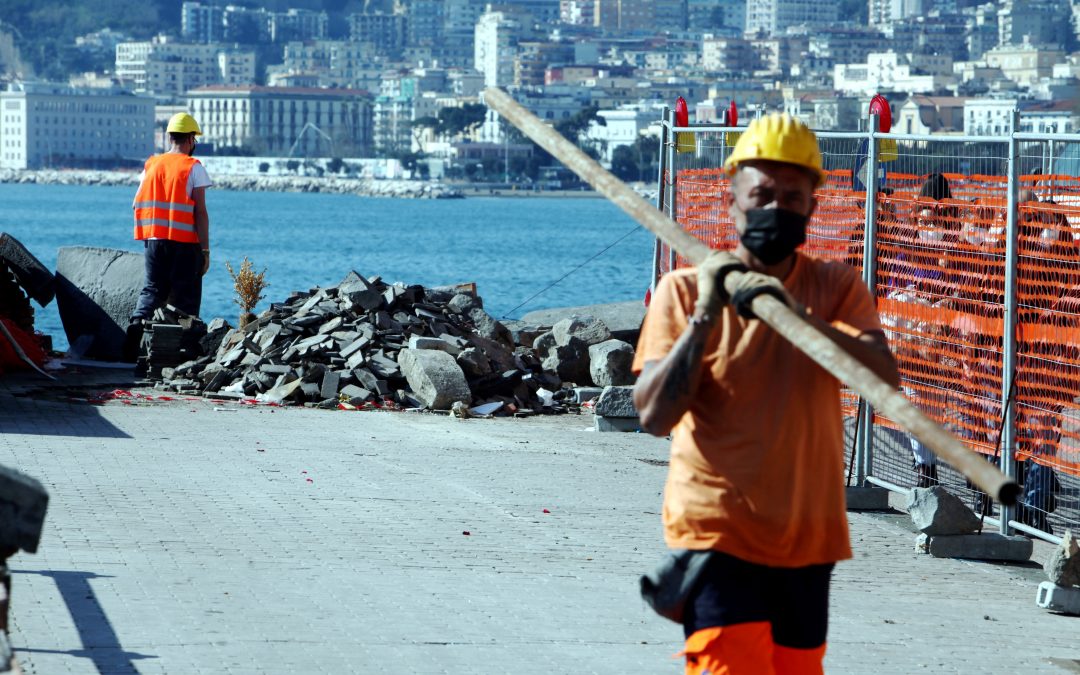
173,276
795,601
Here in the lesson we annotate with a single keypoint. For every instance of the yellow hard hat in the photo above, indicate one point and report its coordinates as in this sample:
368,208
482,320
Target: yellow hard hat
777,137
183,123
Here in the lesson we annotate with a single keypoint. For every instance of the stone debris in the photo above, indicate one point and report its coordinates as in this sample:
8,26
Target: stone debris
615,410
610,362
368,343
1063,565
936,511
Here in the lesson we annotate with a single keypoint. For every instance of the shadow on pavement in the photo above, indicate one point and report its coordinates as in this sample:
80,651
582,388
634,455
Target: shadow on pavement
100,643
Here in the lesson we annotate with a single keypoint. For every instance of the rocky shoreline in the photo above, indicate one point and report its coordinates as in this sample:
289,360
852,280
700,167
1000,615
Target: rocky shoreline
402,189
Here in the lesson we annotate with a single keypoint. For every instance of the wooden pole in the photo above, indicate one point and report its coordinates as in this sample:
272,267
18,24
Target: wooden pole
882,396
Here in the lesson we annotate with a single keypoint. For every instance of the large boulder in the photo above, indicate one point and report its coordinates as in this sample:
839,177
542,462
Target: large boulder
435,378
96,293
610,362
623,319
616,402
569,361
33,277
588,329
489,327
935,510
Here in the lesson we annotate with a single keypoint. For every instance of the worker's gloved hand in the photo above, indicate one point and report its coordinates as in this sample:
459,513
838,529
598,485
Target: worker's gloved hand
710,283
753,284
206,262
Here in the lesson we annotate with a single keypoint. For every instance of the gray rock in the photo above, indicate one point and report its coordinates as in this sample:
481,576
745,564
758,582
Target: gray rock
489,327
623,319
33,277
331,381
985,546
616,402
544,343
361,294
570,362
435,378
473,363
463,303
96,293
588,329
609,363
585,394
524,334
1063,565
935,510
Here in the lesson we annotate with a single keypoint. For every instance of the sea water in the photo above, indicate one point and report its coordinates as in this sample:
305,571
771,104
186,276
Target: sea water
510,247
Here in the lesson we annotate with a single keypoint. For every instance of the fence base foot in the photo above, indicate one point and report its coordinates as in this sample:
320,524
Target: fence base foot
1058,598
867,498
988,546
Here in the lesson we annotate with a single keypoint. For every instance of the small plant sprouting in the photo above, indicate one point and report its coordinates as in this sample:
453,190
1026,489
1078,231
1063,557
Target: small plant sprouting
249,286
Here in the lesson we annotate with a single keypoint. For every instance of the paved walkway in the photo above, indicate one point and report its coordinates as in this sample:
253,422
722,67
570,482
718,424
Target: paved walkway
188,538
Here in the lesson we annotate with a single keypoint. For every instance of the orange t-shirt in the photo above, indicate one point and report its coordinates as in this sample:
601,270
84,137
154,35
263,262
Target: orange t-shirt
757,462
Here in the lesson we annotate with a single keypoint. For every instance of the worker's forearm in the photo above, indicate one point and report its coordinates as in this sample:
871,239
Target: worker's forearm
666,387
202,228
874,355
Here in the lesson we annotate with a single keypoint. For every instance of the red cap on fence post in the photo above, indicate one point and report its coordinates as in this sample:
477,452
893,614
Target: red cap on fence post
880,106
684,140
732,115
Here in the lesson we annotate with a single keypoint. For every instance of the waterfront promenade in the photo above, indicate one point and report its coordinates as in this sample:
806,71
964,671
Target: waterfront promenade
199,537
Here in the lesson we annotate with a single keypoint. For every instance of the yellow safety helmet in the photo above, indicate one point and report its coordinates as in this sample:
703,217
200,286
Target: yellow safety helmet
777,137
183,123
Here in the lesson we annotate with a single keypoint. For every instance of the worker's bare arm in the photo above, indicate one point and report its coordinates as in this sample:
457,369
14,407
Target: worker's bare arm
870,348
202,224
666,387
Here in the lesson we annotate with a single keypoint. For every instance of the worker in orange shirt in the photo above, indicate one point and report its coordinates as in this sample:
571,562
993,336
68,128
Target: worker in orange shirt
172,222
755,486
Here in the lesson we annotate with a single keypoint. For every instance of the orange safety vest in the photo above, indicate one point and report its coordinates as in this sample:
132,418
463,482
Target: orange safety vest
163,209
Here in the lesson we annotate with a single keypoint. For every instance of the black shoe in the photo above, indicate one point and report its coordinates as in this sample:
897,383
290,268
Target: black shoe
925,475
133,341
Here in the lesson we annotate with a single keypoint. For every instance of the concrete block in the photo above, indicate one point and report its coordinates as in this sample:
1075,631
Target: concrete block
435,378
616,402
96,293
935,510
867,499
585,394
419,342
986,546
623,319
586,328
609,363
34,278
1063,565
1058,598
331,381
620,424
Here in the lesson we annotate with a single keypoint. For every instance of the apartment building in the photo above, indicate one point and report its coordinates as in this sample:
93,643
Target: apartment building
46,125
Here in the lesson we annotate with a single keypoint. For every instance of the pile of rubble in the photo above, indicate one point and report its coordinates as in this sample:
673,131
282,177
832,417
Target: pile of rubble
367,343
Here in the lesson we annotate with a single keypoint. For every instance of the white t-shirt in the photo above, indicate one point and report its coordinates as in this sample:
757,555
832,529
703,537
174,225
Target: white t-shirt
197,178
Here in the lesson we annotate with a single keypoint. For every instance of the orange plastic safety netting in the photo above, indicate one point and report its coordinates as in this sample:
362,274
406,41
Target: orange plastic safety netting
940,288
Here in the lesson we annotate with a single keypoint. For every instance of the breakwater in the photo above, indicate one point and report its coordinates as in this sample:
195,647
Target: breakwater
403,189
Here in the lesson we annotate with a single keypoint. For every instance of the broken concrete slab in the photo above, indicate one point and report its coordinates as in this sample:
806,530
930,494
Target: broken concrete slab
623,319
985,546
32,276
434,377
619,424
96,293
937,511
616,402
866,498
1058,598
1063,565
609,363
588,329
419,342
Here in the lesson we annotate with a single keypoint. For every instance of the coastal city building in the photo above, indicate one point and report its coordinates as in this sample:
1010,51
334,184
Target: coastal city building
57,126
288,121
164,67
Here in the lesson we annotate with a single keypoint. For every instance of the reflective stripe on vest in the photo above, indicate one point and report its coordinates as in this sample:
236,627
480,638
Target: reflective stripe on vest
163,209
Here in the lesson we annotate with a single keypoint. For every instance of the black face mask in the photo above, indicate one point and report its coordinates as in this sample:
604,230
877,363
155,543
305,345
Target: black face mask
773,234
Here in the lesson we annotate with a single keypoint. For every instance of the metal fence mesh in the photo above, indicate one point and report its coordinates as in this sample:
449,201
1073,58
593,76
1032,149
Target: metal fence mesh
940,255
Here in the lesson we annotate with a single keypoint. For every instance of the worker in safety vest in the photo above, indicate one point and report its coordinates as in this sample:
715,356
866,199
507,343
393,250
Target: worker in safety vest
754,501
172,222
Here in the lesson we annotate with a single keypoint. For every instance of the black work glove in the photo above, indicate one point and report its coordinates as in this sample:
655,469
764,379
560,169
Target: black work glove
711,275
753,284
